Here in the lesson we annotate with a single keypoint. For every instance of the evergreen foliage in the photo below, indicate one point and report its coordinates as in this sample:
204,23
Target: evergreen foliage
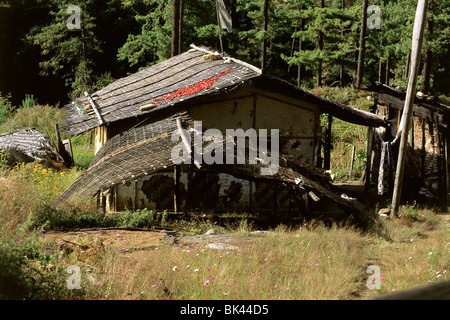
119,37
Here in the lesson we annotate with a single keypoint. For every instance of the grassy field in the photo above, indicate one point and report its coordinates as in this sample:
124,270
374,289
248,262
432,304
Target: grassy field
306,261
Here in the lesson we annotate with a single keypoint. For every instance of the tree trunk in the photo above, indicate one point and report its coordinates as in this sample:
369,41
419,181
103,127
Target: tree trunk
175,27
362,45
234,15
427,58
264,41
408,58
301,68
180,28
386,80
319,68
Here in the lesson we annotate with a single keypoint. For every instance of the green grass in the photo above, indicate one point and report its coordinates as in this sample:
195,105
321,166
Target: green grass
83,150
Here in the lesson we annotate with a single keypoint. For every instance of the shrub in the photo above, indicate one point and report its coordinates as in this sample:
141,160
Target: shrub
5,107
40,117
22,275
29,101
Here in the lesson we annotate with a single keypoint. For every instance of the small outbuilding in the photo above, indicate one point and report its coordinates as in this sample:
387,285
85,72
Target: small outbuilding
139,120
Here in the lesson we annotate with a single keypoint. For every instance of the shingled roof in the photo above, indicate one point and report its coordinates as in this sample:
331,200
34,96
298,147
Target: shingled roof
197,72
28,145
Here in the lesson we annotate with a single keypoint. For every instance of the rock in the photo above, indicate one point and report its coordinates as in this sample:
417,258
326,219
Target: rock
384,211
221,246
383,216
260,232
211,232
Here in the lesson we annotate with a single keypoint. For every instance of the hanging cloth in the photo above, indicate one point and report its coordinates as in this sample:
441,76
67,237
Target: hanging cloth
386,161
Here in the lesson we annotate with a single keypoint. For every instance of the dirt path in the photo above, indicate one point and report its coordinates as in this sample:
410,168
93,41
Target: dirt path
136,240
111,238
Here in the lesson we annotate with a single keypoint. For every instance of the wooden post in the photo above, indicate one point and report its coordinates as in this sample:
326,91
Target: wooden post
176,193
369,156
327,146
58,137
405,124
352,161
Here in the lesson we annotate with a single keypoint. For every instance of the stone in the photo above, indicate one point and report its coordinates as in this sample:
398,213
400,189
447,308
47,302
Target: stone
211,232
383,216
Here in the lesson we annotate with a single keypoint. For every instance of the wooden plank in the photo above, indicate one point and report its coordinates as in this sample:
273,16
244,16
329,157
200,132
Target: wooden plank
369,156
398,104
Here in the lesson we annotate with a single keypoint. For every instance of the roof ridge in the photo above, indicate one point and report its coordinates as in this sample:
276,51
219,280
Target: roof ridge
245,64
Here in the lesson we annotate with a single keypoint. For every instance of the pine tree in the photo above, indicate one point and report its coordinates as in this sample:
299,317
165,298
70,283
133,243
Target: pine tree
325,43
69,52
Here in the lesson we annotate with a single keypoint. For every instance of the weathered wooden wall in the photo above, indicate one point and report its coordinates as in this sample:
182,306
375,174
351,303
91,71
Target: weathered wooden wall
250,107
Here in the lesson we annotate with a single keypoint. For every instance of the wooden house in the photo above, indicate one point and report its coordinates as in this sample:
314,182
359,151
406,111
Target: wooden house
426,169
135,117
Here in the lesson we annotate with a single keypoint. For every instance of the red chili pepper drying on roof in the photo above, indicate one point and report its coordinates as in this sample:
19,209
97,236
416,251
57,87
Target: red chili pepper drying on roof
193,89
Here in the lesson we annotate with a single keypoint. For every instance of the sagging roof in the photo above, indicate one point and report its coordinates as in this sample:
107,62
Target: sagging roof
197,72
423,104
147,149
28,145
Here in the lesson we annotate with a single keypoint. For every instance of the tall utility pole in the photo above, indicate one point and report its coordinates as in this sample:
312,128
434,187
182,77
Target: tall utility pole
405,124
362,45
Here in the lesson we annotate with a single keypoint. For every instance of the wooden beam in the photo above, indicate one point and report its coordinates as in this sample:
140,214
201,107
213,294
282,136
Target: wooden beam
405,124
94,106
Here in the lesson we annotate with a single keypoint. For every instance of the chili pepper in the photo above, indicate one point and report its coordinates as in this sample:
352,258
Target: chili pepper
193,89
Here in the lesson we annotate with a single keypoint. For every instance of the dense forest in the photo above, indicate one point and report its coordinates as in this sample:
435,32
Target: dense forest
307,42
